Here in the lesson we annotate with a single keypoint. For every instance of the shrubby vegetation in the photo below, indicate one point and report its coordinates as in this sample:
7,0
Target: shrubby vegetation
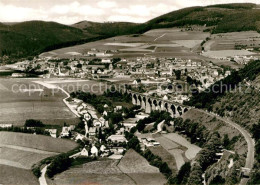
58,165
36,127
33,123
98,102
155,116
157,161
182,176
37,171
255,176
195,131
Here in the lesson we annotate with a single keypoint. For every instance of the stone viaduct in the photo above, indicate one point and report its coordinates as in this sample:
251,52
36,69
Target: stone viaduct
149,103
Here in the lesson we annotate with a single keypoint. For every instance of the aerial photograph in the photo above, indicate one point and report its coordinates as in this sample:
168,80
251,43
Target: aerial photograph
119,92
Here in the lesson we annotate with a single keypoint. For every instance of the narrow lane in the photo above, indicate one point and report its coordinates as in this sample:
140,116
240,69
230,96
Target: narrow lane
250,142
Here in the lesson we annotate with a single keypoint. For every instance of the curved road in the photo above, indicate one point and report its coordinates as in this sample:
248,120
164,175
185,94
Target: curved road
42,179
250,142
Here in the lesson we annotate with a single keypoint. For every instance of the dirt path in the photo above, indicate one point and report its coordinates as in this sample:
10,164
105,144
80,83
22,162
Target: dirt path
159,37
250,142
42,179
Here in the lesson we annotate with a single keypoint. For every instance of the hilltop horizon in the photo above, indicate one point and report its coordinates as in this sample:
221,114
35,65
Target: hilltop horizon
102,11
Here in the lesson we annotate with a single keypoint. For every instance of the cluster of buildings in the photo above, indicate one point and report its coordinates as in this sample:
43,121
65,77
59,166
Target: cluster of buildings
138,67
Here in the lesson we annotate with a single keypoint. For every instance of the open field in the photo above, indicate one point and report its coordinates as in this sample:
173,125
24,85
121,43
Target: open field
17,104
132,162
224,44
227,53
146,43
113,172
16,176
171,42
166,157
227,41
157,43
192,149
22,99
39,142
19,152
176,150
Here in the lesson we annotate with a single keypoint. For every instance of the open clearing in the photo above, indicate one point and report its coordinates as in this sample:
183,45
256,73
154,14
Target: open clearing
179,149
171,42
192,150
132,169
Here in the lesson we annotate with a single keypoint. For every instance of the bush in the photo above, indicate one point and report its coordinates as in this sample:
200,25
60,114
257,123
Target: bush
58,165
33,123
37,171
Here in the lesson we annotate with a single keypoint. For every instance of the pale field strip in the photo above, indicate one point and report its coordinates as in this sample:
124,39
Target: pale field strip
192,150
171,142
177,153
73,53
172,148
13,164
227,53
28,149
187,43
32,90
124,44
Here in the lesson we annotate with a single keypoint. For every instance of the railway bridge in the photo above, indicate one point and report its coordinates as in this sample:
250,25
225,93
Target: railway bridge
149,103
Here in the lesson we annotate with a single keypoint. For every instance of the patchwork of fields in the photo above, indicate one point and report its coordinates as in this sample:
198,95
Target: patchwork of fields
172,42
131,169
160,43
228,44
18,153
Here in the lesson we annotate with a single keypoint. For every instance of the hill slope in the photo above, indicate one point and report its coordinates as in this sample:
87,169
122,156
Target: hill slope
224,18
108,29
31,38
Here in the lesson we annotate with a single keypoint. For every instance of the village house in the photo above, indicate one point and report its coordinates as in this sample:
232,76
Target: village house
84,152
65,132
94,151
53,132
117,138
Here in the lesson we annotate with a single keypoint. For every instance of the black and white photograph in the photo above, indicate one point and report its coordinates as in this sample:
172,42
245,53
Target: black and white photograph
119,92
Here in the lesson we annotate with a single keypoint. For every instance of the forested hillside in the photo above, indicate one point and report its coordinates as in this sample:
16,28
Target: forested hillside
31,38
242,104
